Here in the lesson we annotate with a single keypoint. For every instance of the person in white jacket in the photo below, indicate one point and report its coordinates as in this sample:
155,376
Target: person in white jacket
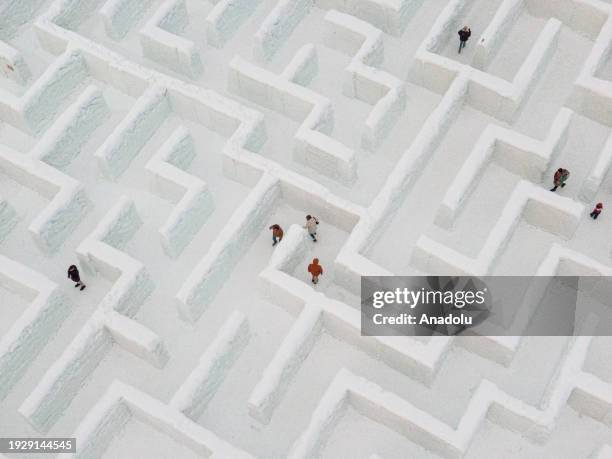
311,226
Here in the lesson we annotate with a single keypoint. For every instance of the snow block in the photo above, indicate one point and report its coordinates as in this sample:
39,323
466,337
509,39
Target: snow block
14,14
522,155
119,16
194,201
57,388
68,200
303,67
562,261
598,174
206,378
122,402
46,96
313,146
136,339
128,138
63,141
555,214
234,239
225,19
284,365
8,218
101,253
362,80
70,372
351,264
12,64
278,26
488,93
496,32
161,42
22,343
384,407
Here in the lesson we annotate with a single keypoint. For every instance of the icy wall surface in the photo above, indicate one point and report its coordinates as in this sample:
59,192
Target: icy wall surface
154,142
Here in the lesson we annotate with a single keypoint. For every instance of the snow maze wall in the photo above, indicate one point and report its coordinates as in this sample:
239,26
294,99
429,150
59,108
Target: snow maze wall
153,143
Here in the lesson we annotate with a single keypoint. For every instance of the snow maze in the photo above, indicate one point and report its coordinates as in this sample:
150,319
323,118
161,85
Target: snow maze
153,142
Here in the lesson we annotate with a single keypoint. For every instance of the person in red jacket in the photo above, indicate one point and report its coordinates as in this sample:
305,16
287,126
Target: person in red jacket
315,269
464,35
596,211
277,234
559,179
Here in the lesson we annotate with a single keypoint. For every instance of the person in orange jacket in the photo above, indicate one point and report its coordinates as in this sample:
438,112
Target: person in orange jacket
277,234
315,269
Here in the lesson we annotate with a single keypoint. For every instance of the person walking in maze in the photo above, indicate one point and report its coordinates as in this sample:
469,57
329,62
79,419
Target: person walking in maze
73,274
596,210
315,270
277,234
560,178
464,35
311,226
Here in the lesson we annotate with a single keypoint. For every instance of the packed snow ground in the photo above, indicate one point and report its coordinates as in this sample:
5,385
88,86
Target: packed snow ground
154,142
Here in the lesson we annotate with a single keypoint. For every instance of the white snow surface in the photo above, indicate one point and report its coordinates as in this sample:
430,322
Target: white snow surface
153,142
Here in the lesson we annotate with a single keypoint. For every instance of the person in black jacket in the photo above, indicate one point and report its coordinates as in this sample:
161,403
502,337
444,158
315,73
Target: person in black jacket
464,35
73,274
